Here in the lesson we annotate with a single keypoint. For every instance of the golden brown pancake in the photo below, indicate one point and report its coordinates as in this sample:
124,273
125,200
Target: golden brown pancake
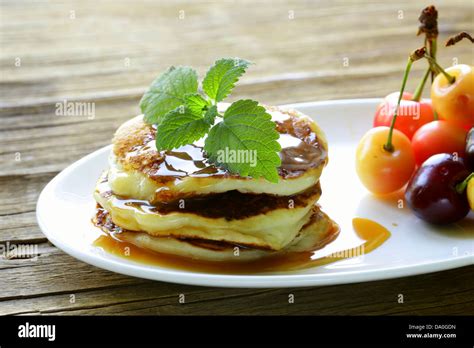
315,234
177,202
258,220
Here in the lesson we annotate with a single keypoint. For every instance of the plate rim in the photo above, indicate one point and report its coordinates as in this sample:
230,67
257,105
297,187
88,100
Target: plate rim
136,269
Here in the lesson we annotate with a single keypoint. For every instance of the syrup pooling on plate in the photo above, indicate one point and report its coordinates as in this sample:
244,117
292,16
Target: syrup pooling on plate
371,232
111,242
300,151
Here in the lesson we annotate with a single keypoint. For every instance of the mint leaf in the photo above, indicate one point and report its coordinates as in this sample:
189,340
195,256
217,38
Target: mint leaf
246,131
222,76
167,92
180,127
211,114
243,142
196,103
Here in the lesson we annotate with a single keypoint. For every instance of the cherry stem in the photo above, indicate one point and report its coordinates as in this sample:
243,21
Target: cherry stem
389,146
433,44
438,68
461,187
421,86
458,37
433,48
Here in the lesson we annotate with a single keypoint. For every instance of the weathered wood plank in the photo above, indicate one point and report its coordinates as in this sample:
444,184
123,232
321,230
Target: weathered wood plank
422,295
19,193
20,227
53,272
91,50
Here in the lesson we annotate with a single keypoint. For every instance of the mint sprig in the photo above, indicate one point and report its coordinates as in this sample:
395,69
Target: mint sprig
244,141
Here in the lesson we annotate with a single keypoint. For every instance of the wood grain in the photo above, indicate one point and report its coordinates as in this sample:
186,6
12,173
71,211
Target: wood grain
107,52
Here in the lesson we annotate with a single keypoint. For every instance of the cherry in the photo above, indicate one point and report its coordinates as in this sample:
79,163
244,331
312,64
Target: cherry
434,192
438,137
381,171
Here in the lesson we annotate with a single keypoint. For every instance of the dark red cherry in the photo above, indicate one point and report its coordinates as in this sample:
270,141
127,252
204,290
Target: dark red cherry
431,192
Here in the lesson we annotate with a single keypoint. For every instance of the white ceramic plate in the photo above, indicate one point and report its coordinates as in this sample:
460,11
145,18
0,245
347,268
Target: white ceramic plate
65,208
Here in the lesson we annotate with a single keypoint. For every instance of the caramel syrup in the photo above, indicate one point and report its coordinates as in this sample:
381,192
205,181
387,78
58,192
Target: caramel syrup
371,232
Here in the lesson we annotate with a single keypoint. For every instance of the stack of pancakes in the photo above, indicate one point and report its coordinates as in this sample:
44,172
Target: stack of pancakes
176,202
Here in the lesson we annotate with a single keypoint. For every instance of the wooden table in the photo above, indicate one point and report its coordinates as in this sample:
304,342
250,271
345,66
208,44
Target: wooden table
108,52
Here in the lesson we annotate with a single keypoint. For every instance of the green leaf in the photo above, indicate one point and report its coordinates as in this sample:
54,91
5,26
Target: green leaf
222,76
167,92
180,127
211,114
246,127
196,103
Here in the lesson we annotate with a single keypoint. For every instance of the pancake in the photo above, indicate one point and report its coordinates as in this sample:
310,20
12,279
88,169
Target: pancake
138,170
177,202
255,220
315,234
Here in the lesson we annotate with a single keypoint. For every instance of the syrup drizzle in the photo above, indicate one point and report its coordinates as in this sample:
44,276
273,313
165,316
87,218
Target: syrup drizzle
370,231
